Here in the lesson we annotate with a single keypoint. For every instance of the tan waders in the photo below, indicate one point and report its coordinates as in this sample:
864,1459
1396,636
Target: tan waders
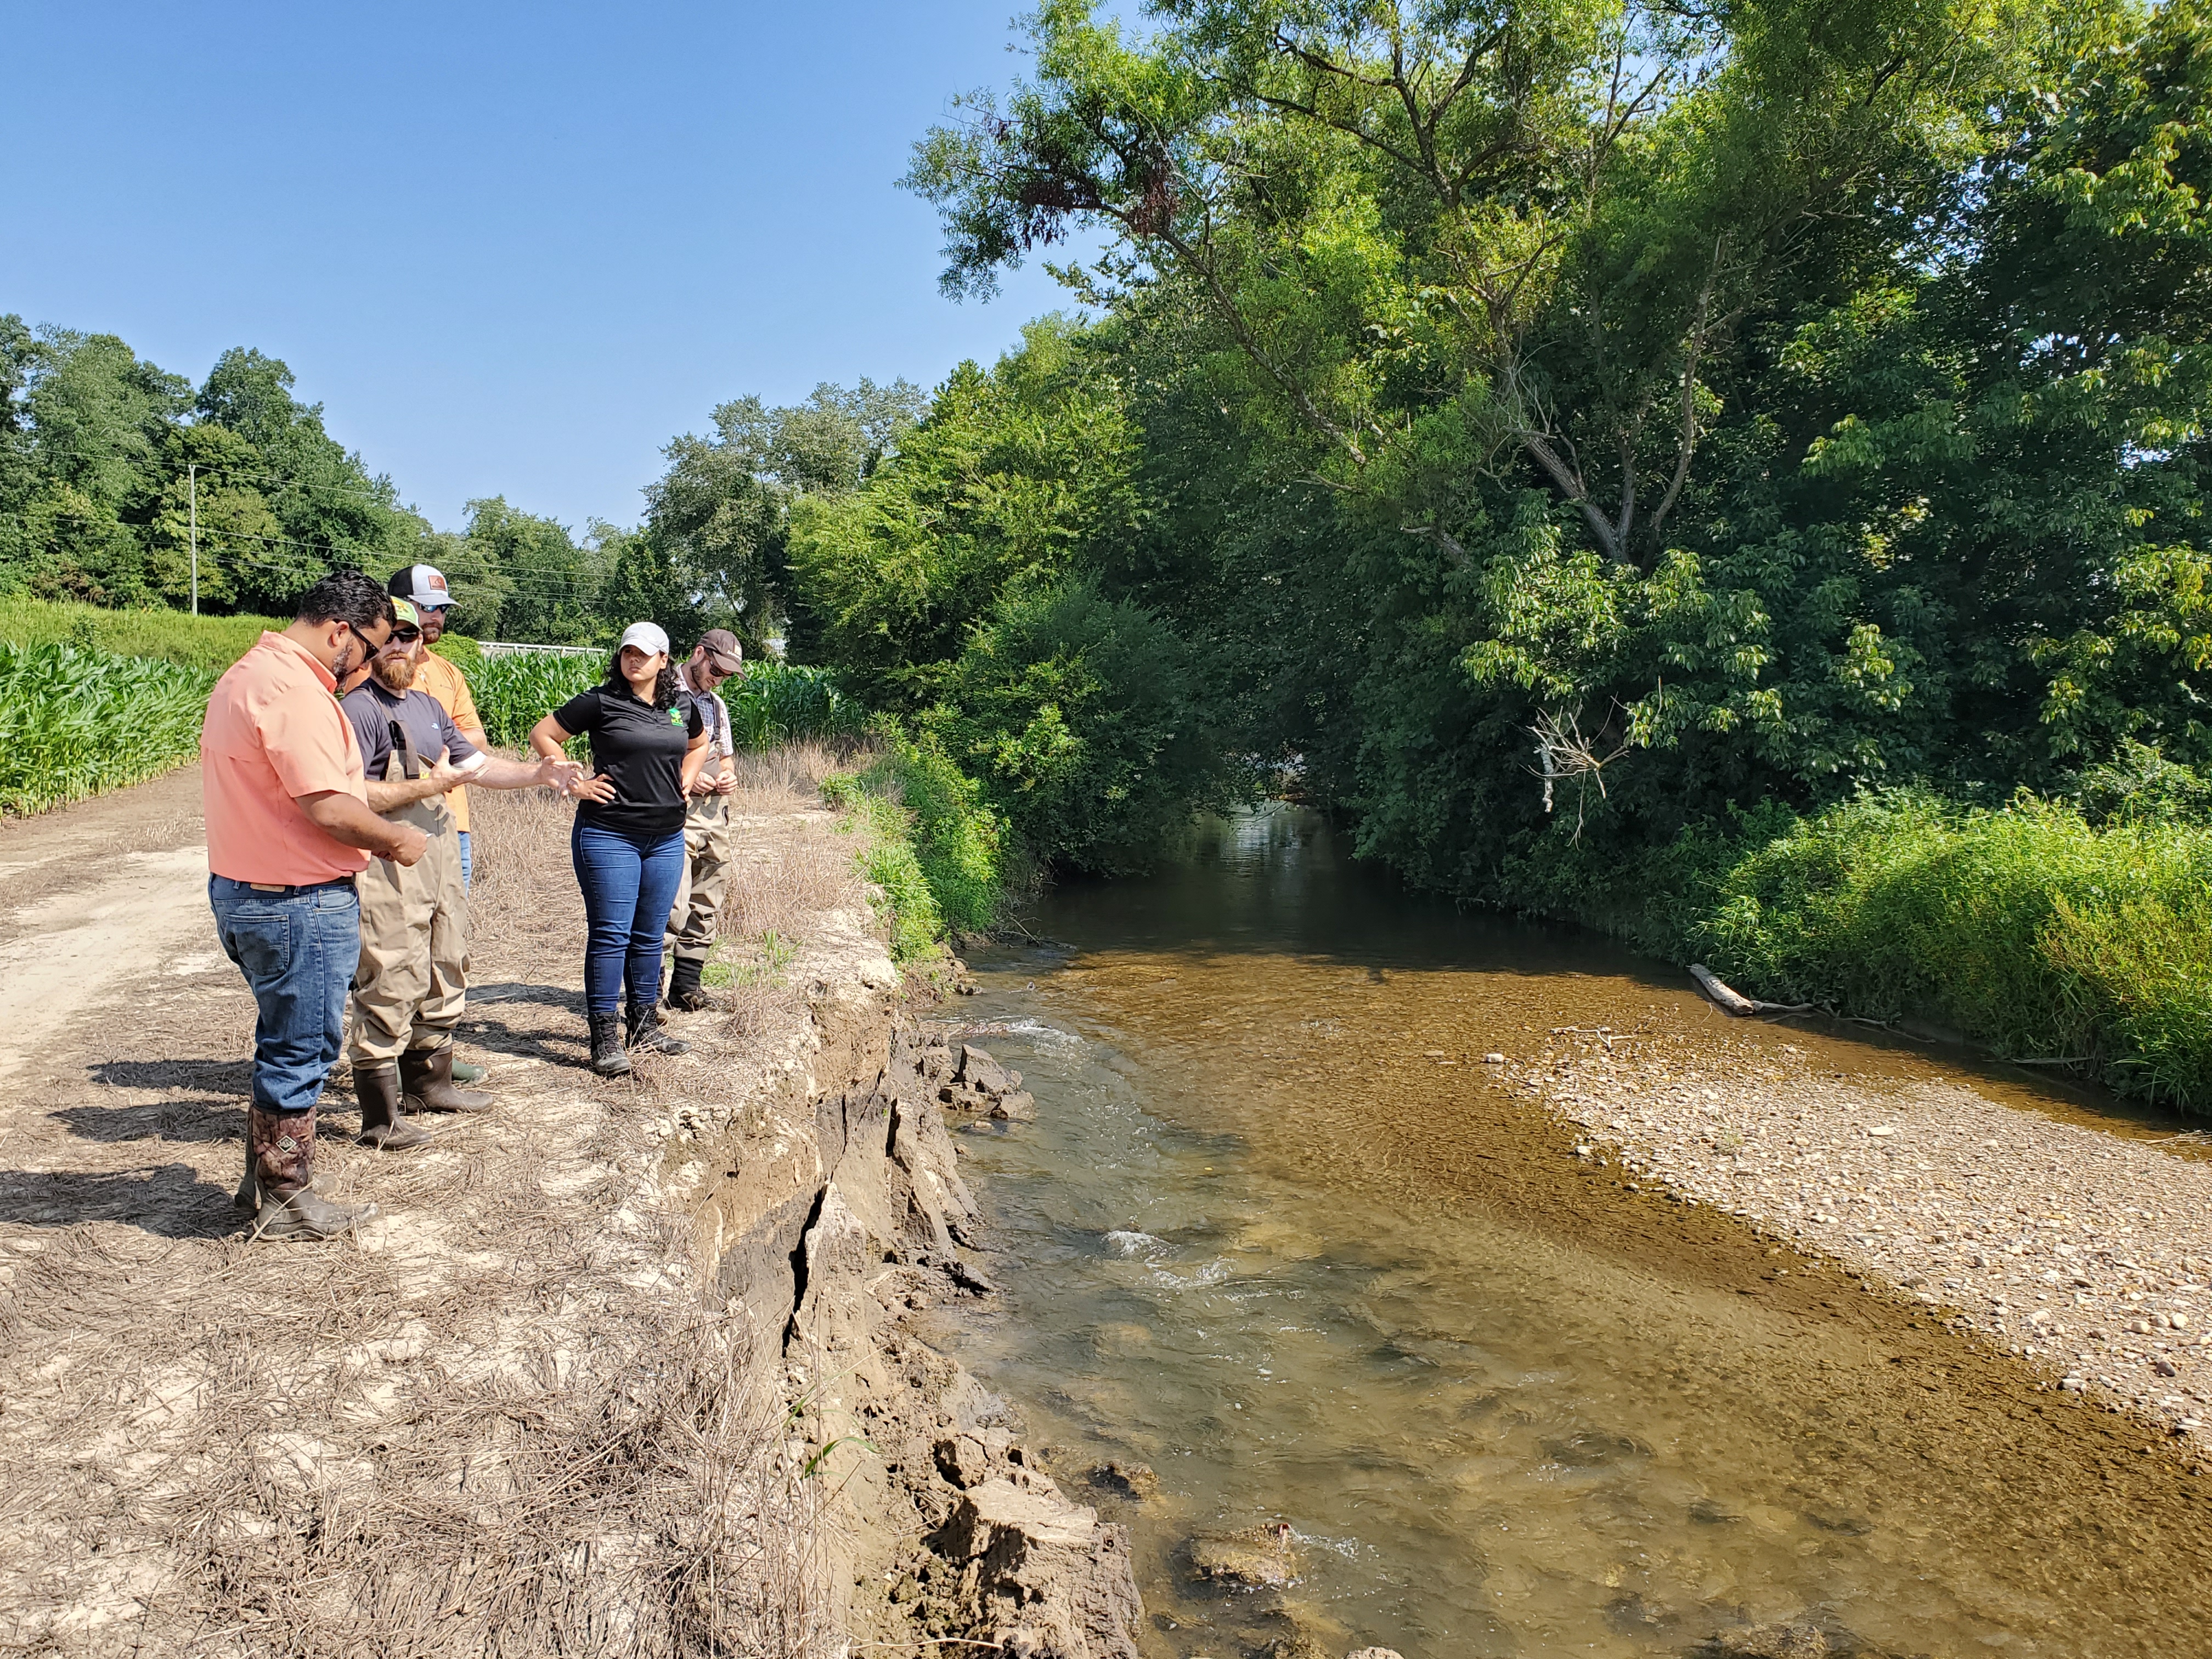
412,983
696,915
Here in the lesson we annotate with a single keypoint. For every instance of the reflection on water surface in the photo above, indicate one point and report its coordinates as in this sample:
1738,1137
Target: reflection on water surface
1278,1238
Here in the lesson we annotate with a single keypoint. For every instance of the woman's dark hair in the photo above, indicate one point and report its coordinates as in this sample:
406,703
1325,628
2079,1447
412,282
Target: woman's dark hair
664,688
359,601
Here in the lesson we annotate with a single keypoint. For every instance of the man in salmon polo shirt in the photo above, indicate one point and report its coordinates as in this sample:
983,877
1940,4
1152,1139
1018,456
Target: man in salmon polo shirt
289,828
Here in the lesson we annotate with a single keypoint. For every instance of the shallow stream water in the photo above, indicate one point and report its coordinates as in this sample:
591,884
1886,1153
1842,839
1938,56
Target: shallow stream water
1279,1236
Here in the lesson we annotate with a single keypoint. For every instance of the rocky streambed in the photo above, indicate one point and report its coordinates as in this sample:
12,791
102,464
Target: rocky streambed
2085,1252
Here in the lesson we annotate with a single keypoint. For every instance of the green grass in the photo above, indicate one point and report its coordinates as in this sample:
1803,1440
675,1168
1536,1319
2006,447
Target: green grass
164,636
75,722
944,858
2031,928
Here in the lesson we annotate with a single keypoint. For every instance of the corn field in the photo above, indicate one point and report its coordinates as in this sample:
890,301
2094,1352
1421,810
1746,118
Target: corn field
74,722
774,704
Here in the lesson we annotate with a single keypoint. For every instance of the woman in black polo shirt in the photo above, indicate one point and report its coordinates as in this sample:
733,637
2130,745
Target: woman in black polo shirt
647,743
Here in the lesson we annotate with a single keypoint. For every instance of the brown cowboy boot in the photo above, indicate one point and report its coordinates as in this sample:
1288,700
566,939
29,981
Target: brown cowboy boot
376,1085
427,1074
285,1166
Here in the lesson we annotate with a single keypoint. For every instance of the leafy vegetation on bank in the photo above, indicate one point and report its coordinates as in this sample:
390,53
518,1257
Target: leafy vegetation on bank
74,722
2029,927
942,857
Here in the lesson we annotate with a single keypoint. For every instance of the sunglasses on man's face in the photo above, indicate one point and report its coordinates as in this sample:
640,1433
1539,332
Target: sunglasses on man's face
404,636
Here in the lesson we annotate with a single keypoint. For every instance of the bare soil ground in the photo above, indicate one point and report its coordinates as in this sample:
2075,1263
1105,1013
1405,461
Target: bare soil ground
500,1420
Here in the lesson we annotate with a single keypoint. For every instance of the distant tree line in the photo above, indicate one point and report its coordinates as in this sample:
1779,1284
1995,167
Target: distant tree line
105,459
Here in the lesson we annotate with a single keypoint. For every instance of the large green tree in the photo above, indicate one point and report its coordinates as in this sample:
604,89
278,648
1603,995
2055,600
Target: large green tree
1660,410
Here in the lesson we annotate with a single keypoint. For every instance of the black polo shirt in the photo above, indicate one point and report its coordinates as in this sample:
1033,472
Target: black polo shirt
642,749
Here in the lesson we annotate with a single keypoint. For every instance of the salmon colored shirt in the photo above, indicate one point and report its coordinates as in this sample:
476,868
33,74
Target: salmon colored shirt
445,681
274,729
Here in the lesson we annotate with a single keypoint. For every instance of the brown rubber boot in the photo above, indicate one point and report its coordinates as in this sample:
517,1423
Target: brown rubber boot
248,1195
427,1074
284,1167
376,1085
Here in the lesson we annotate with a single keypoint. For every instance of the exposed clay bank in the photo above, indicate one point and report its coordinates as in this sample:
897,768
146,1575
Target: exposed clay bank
1281,1236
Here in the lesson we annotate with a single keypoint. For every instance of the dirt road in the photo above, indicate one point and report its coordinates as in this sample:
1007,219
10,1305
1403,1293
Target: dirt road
210,1446
103,911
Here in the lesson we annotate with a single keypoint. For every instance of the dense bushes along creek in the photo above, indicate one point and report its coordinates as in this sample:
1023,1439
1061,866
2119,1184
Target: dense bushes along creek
1731,477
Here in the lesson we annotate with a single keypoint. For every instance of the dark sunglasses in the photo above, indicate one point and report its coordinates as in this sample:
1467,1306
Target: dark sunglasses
403,634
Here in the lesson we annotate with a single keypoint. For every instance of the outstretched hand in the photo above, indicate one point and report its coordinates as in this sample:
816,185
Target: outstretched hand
556,772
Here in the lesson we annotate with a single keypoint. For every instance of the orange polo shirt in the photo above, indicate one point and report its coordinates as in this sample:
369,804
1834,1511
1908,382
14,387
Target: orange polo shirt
274,729
447,683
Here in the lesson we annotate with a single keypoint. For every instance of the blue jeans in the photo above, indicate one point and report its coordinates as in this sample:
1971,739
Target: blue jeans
297,948
629,883
467,869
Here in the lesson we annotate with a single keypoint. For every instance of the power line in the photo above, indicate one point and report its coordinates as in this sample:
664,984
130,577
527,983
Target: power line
538,586
238,472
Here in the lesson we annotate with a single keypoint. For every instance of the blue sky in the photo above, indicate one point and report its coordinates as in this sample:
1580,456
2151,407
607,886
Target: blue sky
513,249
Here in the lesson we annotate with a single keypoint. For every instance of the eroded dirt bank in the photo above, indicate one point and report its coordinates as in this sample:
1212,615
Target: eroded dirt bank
618,1368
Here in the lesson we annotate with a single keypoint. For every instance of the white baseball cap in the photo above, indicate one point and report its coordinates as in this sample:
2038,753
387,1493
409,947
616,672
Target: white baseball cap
648,637
423,585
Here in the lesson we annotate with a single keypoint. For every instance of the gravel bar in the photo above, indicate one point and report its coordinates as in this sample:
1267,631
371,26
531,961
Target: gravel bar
2087,1254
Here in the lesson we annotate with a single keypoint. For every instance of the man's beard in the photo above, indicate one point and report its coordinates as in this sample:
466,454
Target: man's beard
393,673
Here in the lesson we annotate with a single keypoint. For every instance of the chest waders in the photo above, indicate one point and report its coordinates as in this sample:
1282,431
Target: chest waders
411,988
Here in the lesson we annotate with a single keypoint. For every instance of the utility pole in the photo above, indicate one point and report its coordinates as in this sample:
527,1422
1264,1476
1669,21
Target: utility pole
193,485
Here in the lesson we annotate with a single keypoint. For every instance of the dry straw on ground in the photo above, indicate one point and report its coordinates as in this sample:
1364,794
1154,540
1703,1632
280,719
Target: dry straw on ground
504,1423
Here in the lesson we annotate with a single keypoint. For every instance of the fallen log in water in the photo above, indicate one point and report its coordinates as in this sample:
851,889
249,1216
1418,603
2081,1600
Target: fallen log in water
1734,1002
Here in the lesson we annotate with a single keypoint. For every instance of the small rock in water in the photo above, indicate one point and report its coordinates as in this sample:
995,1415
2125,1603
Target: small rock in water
1018,1105
1771,1641
1134,1481
1259,1558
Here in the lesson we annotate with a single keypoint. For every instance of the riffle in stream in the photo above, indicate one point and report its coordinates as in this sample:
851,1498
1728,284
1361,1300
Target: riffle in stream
1279,1236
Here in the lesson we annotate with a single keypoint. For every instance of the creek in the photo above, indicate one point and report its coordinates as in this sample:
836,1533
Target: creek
1281,1235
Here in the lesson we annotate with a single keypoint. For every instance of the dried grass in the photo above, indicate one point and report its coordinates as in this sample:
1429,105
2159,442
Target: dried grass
504,1430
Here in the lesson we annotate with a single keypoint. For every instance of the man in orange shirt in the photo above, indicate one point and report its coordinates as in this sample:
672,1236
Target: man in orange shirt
288,829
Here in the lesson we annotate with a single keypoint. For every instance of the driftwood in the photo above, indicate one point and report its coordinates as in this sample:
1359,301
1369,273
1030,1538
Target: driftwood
1734,1002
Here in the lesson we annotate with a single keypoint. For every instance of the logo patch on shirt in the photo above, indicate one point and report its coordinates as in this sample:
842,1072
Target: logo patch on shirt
676,717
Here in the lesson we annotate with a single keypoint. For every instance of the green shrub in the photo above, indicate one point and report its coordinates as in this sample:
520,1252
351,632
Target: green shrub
2029,928
74,722
1084,720
927,824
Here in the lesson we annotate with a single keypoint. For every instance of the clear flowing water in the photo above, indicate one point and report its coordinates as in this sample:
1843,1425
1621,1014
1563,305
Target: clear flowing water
1277,1235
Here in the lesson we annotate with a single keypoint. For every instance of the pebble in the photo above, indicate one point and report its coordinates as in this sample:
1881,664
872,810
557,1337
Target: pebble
2086,1254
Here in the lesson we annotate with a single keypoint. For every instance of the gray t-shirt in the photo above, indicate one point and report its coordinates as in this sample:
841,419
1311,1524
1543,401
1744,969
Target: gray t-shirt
372,711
